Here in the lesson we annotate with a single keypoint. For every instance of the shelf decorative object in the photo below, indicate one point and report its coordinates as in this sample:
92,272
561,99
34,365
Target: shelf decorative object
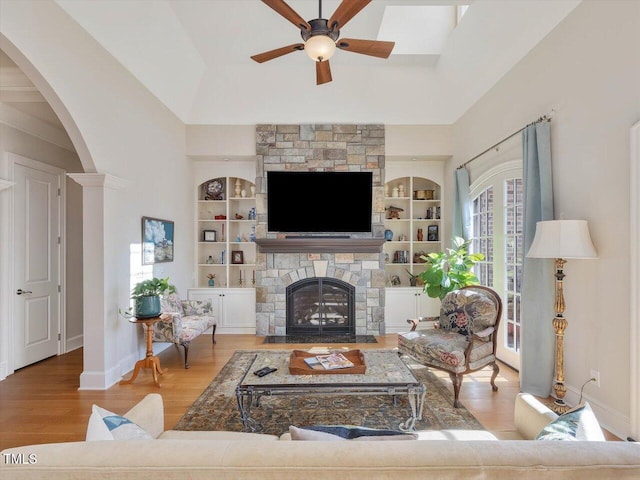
237,257
209,235
394,212
214,189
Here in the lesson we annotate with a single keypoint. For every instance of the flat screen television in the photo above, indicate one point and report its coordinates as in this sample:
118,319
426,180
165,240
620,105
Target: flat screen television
319,202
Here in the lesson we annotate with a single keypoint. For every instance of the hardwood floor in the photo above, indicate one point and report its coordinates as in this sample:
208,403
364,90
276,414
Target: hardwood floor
41,403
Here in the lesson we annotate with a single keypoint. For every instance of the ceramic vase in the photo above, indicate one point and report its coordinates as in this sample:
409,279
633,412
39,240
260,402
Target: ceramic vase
147,307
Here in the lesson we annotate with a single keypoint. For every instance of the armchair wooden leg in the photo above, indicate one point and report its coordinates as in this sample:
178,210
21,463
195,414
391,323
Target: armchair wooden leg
496,370
186,355
213,334
457,382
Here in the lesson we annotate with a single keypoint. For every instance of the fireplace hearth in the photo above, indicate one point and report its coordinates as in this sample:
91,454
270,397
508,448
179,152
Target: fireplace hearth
320,306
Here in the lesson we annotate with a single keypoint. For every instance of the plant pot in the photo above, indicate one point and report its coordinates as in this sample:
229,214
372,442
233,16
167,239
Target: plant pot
147,307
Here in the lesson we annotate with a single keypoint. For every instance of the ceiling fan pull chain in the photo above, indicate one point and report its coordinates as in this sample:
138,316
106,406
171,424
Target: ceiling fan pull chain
319,8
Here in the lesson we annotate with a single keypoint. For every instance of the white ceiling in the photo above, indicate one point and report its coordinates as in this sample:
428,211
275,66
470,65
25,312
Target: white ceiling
193,55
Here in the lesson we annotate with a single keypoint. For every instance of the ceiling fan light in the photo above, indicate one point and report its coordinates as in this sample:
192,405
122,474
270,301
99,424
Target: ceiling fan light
320,48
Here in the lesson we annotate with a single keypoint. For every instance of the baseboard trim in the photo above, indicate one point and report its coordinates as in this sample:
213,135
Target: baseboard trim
73,343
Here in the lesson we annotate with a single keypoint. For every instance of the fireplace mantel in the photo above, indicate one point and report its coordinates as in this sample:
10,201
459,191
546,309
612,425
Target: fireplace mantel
320,245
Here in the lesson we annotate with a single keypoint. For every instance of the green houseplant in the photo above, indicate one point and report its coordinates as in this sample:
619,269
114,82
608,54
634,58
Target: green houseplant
146,295
449,270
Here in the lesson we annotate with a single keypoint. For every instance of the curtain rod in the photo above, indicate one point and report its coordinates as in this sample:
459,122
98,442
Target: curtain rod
541,119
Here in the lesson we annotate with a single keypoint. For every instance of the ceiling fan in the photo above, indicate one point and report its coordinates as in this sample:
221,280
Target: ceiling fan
321,36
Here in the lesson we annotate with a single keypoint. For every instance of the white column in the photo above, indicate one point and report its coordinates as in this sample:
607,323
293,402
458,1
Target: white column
6,295
100,362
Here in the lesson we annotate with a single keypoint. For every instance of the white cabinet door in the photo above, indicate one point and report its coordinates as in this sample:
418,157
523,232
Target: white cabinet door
403,303
427,306
239,310
400,304
234,308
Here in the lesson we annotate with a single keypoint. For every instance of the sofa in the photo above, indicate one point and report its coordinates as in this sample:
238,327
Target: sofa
452,454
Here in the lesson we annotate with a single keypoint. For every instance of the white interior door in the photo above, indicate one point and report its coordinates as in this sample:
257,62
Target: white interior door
37,233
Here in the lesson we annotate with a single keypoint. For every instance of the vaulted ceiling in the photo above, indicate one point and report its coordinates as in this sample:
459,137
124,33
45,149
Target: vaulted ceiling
194,56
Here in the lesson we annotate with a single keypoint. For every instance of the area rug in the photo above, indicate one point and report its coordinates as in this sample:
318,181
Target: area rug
328,339
217,408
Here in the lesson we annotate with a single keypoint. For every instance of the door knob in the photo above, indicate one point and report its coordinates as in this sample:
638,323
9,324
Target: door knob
20,291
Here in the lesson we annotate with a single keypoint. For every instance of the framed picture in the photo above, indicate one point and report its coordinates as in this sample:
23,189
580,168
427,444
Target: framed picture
432,233
209,235
157,240
237,256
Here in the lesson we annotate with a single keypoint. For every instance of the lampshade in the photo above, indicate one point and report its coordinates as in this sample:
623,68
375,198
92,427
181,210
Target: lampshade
320,47
562,239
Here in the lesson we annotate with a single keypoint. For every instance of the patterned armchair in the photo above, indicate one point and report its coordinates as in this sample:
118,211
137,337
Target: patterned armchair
182,321
464,338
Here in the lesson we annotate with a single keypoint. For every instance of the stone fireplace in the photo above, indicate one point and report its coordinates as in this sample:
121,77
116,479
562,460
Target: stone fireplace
348,274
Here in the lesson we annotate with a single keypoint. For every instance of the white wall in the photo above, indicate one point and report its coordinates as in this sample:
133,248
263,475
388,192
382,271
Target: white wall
588,71
119,129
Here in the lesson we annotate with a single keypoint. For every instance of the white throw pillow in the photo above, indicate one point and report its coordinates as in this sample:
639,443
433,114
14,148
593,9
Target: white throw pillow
106,425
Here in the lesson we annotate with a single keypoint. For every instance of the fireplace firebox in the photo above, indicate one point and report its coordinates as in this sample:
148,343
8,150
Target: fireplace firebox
320,306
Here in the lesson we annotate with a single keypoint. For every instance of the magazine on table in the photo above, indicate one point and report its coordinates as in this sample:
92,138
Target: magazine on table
331,361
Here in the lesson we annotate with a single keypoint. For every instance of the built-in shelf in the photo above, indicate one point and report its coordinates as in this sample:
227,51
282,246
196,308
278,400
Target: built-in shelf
320,245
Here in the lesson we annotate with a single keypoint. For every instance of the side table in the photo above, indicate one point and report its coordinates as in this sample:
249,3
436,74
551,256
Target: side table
150,360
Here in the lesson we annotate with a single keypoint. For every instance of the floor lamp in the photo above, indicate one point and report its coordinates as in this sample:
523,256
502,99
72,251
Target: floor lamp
561,240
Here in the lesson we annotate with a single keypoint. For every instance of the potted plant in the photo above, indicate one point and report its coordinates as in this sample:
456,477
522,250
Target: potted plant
413,279
449,270
146,295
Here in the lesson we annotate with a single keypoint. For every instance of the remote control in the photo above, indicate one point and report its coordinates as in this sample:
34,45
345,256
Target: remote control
265,371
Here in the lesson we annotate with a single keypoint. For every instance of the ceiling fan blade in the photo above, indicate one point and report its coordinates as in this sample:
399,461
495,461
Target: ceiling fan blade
278,52
375,48
289,13
346,11
323,72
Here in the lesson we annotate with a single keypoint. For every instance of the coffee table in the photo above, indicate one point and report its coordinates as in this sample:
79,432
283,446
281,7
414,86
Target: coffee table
386,374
